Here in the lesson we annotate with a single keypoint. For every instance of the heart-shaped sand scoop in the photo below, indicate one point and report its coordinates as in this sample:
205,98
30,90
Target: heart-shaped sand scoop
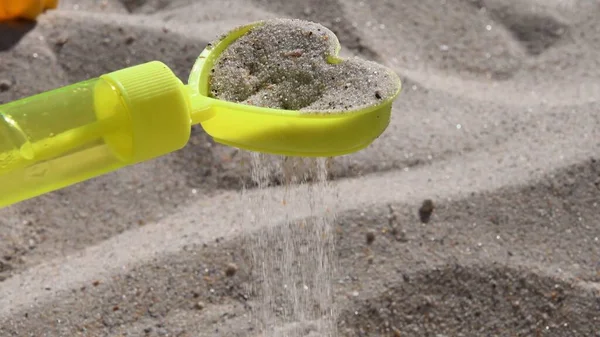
279,87
273,86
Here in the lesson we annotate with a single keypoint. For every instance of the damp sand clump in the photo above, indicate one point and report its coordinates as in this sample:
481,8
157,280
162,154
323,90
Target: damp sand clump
290,64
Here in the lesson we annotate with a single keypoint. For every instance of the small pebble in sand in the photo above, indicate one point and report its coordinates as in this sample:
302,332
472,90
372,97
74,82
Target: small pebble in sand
231,269
61,41
287,64
5,266
129,40
370,236
199,306
4,85
426,210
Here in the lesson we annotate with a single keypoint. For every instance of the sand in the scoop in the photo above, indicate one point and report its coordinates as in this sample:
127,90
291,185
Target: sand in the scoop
283,64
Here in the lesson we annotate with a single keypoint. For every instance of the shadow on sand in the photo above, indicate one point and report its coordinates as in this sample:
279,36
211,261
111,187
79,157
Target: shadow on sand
11,32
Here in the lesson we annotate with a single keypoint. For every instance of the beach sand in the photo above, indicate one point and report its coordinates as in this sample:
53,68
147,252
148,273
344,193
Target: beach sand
498,125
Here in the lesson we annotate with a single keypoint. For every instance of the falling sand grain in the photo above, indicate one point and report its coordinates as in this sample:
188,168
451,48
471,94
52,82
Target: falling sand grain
294,260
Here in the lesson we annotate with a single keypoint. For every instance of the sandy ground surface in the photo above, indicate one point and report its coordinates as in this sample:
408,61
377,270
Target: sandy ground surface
498,125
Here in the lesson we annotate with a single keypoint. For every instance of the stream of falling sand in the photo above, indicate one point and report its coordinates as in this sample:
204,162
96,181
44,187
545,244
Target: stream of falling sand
294,261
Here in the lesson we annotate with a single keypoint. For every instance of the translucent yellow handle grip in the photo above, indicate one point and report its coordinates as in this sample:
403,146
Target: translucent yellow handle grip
68,135
54,139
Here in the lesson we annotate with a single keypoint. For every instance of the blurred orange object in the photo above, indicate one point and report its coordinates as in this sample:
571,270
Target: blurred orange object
24,9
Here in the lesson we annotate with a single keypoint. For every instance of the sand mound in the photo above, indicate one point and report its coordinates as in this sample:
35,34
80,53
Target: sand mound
499,127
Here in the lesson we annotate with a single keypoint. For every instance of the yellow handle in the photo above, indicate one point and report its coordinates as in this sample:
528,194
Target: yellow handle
75,133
